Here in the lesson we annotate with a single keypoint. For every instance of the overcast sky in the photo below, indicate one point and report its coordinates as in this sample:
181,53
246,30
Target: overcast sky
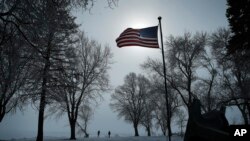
104,25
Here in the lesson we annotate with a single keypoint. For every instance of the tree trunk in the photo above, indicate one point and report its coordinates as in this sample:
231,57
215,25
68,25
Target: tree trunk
41,116
136,130
248,108
163,130
148,130
243,113
2,112
181,130
72,130
164,133
170,131
42,99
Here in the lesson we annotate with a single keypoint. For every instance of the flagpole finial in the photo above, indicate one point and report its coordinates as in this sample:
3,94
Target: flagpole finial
159,17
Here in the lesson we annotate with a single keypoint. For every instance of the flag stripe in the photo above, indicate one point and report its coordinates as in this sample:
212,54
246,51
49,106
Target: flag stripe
138,40
135,37
131,29
145,37
138,44
130,33
127,31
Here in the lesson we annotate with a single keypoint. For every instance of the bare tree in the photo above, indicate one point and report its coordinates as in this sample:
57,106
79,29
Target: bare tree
161,119
85,115
148,104
14,65
51,32
207,88
184,57
184,54
128,99
159,102
160,113
181,121
15,54
148,118
85,81
234,74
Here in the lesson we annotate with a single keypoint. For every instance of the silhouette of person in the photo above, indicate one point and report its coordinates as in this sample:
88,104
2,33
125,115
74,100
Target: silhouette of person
98,133
109,133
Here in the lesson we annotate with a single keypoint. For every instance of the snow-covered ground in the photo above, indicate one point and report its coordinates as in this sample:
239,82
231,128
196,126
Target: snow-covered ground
141,138
155,138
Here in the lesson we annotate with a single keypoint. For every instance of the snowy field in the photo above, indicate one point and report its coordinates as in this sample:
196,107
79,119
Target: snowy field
141,138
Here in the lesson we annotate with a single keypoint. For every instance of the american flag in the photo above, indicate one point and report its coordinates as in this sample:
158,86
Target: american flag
145,37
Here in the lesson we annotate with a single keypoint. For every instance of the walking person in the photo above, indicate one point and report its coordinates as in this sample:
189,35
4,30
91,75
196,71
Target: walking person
109,133
98,133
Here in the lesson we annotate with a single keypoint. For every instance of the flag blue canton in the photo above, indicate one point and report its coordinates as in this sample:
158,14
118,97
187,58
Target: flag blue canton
150,32
144,37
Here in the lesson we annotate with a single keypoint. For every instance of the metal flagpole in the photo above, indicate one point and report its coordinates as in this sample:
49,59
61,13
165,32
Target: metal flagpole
165,82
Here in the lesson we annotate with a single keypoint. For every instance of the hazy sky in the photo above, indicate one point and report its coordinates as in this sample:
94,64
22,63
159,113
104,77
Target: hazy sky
104,25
